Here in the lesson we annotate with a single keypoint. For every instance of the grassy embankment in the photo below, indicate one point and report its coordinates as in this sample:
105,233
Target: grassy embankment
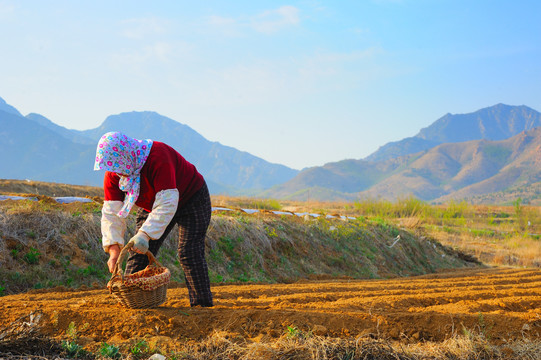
46,244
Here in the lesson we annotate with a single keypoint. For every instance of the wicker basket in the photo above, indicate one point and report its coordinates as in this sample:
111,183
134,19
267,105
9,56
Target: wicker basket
141,290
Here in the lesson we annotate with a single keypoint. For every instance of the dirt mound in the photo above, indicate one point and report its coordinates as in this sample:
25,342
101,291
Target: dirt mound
502,304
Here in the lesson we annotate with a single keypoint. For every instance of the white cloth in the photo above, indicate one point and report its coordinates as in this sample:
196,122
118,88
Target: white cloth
140,242
164,208
112,226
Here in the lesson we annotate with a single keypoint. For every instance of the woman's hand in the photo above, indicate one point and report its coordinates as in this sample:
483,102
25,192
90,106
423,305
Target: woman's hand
140,242
114,251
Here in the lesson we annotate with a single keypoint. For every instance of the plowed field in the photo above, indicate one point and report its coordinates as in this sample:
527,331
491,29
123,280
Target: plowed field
501,303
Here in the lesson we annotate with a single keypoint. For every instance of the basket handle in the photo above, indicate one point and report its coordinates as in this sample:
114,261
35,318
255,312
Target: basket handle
124,253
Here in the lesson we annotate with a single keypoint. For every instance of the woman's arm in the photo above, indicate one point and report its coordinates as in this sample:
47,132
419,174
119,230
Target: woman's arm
112,226
163,210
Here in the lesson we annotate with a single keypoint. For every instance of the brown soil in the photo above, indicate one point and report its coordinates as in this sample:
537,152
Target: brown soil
500,303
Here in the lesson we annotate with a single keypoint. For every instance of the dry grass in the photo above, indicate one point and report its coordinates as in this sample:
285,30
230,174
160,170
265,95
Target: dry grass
515,250
300,346
45,245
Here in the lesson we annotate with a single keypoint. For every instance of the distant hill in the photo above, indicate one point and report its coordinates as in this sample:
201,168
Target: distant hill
336,181
224,165
32,151
529,194
493,123
60,130
452,170
463,170
42,150
8,108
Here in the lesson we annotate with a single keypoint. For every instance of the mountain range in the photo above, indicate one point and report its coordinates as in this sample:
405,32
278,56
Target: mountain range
39,149
441,163
498,122
495,149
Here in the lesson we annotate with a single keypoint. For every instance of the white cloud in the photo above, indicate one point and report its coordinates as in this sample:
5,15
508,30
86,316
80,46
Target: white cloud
160,51
156,52
336,65
274,81
267,22
143,27
221,21
6,9
227,26
272,21
359,31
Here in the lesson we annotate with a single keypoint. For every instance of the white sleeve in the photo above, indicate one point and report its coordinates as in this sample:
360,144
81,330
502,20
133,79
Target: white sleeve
112,225
163,210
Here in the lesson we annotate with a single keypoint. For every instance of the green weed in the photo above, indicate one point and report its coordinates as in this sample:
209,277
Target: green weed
292,331
110,351
484,327
140,348
73,349
70,346
456,210
214,277
271,232
410,207
374,207
53,263
32,256
71,332
483,232
228,244
91,270
386,226
450,230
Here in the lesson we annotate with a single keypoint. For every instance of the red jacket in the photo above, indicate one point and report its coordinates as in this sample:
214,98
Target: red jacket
164,169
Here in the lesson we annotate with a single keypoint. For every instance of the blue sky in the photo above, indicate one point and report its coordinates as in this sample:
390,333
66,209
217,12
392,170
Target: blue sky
300,83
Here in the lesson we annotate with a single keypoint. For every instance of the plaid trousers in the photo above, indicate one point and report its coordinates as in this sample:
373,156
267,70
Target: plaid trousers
193,219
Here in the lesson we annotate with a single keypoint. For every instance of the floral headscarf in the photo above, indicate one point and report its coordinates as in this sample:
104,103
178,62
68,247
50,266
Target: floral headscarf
126,156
